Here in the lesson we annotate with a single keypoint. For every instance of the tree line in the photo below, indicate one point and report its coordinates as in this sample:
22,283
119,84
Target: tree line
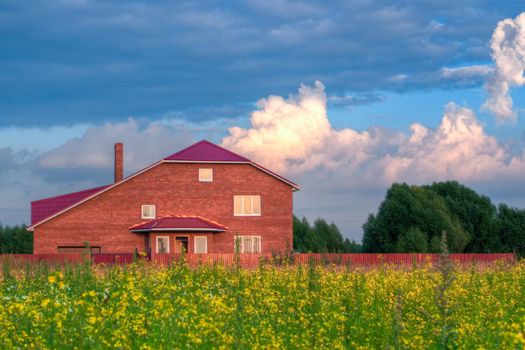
15,240
321,237
412,219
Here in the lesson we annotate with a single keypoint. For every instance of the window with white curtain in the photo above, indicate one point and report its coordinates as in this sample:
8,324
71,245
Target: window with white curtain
247,205
201,244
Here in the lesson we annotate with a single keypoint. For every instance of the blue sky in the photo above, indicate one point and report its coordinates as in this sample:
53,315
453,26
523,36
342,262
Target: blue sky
79,75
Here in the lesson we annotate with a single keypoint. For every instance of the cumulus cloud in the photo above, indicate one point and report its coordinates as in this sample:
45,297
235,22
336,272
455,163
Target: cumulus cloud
508,53
294,136
458,149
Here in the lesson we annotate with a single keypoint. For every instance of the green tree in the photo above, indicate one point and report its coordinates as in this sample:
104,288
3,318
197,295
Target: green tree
350,246
300,230
471,222
511,229
412,241
475,213
407,207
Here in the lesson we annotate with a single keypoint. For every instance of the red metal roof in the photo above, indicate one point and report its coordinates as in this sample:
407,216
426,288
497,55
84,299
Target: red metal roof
178,223
207,152
47,207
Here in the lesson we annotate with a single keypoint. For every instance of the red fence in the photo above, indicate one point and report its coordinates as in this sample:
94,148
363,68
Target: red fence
398,258
254,260
104,258
47,258
226,259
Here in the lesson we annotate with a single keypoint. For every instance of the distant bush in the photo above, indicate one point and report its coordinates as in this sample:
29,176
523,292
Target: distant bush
15,240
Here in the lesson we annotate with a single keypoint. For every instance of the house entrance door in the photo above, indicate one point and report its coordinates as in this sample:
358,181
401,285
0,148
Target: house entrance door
181,244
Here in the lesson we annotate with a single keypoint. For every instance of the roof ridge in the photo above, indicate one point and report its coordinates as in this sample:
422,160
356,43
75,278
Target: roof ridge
156,222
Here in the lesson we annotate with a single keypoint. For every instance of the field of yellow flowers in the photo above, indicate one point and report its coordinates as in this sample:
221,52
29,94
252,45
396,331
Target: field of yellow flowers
142,306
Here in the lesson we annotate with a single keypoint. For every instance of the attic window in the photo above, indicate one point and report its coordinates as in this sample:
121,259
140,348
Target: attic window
205,175
148,211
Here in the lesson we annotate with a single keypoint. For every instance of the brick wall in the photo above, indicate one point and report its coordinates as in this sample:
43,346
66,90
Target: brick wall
175,190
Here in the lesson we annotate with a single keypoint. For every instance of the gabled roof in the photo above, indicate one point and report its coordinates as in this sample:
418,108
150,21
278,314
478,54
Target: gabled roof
201,152
205,151
44,208
179,223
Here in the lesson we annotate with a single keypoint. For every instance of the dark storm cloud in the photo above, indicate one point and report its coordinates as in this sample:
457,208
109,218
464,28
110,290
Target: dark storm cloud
66,62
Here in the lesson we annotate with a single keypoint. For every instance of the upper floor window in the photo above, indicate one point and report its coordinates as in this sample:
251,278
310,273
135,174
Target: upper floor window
206,175
247,205
148,211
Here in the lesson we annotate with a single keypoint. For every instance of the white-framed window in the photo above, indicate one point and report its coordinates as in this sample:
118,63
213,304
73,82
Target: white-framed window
200,245
163,244
206,175
247,244
148,211
247,205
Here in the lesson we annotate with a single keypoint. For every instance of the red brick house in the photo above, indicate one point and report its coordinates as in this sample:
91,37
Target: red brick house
203,198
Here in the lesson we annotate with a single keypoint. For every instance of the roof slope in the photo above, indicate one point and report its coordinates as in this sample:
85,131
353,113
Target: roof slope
44,208
178,223
207,152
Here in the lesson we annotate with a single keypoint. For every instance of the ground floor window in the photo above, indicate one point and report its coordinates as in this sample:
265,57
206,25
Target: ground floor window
78,249
201,244
163,244
247,244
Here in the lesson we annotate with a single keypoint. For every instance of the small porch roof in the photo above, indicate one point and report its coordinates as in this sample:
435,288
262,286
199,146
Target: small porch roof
178,223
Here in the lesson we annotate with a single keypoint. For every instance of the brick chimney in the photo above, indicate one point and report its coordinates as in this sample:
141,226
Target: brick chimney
119,161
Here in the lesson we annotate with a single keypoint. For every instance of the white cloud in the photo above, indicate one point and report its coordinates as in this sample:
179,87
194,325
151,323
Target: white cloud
294,136
508,53
457,149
